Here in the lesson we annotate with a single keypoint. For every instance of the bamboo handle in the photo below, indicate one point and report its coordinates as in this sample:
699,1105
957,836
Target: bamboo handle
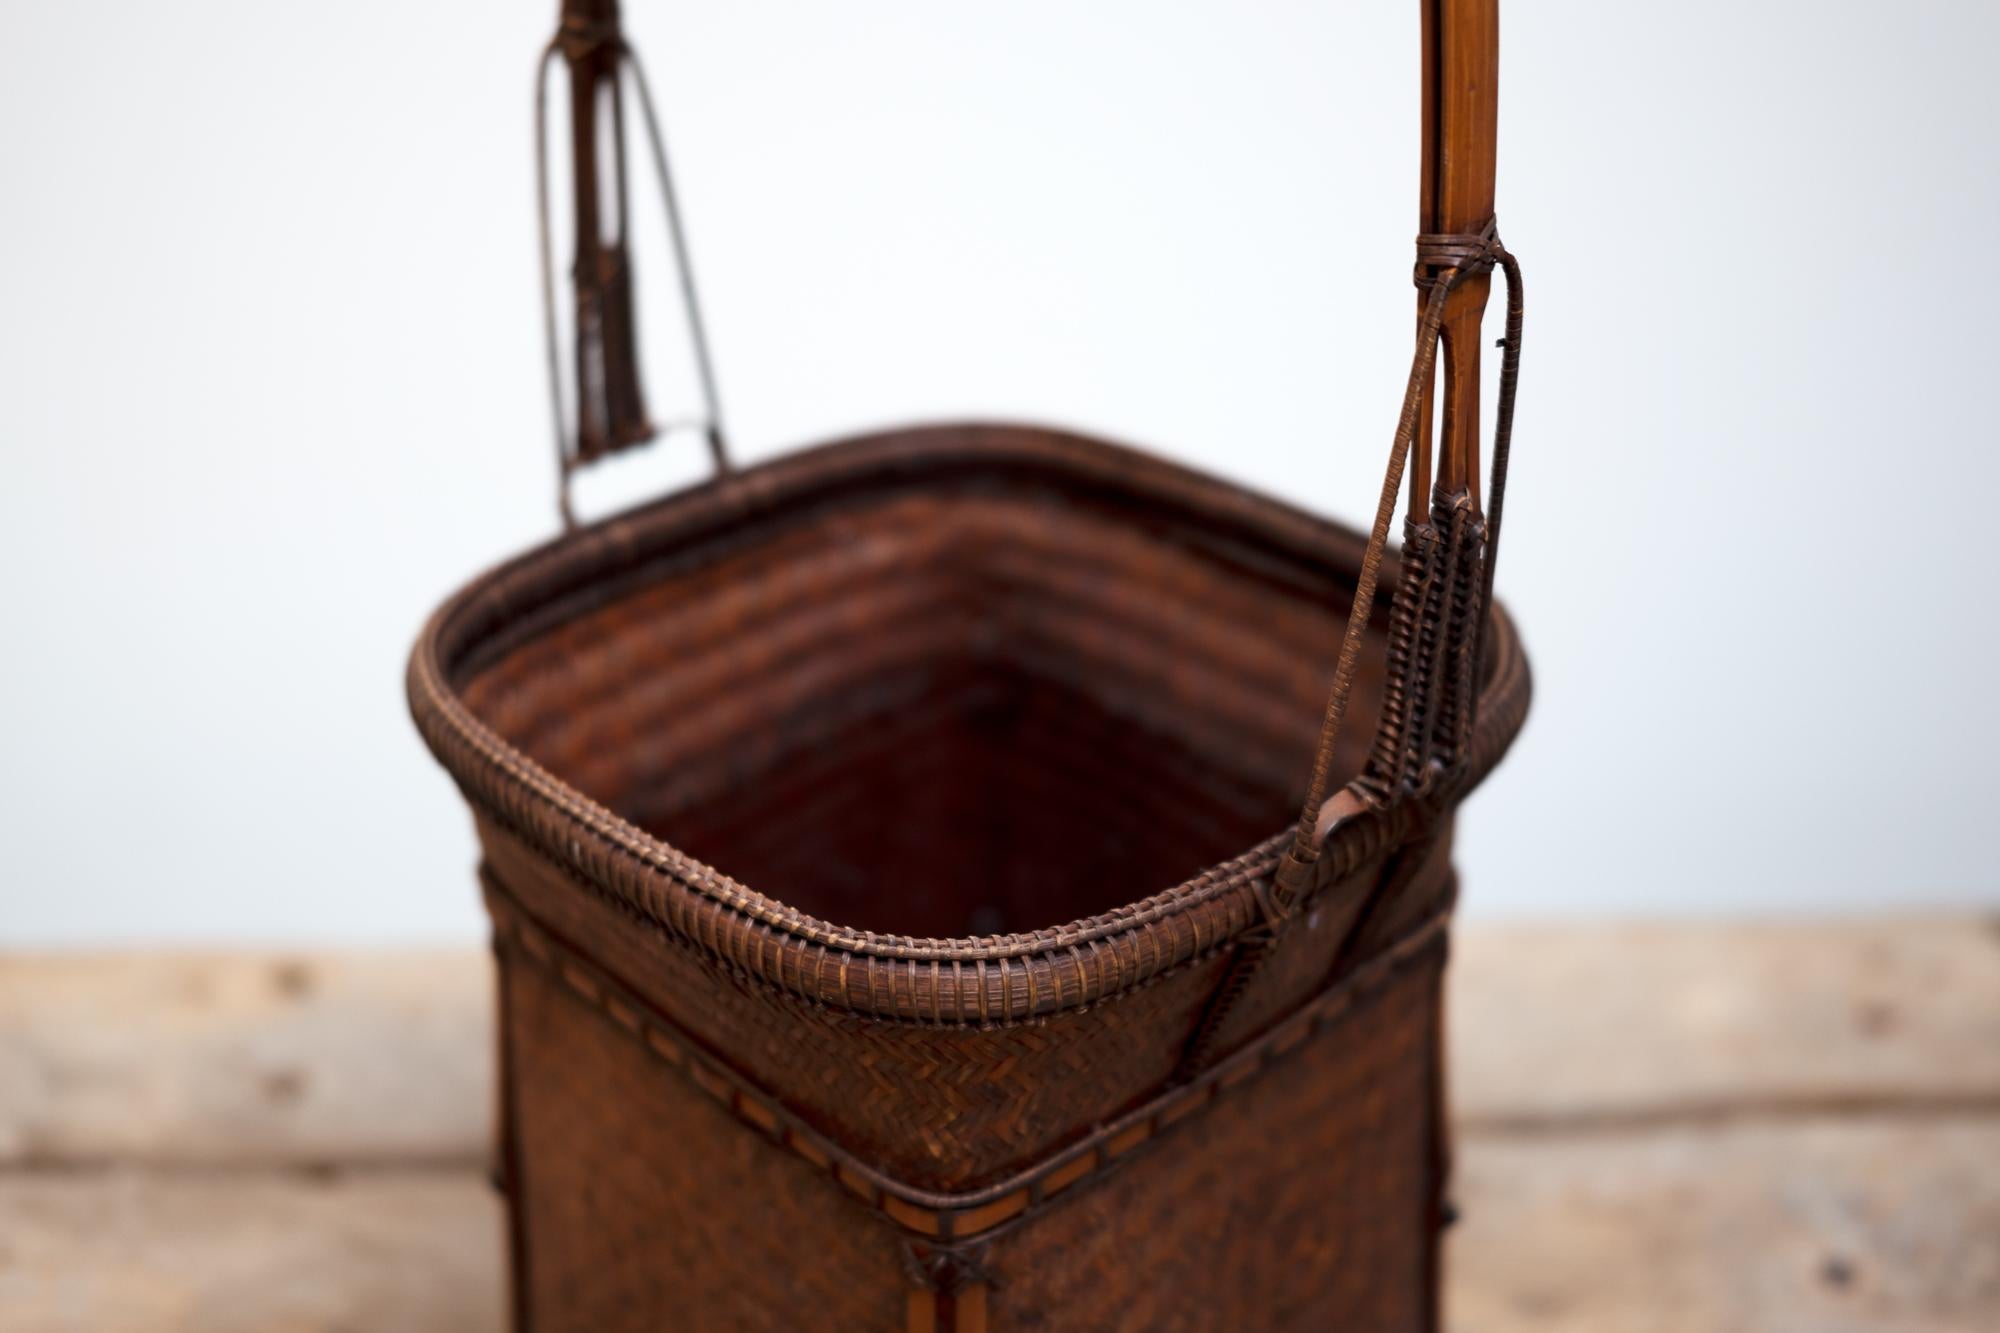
1461,106
1456,249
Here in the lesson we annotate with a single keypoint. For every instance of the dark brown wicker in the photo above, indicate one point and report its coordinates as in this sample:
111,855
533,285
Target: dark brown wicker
891,853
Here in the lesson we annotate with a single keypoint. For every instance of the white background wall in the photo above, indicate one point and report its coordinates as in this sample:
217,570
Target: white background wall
269,388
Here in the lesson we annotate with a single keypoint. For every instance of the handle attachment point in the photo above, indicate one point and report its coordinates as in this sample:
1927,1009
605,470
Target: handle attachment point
608,412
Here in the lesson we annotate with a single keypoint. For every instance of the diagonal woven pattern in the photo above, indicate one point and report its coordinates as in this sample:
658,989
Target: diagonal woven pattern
930,784
864,679
1117,725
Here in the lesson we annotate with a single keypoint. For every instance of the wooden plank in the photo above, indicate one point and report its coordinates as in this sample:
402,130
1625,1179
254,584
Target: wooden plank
203,1058
1555,1024
259,1251
1836,1225
186,1058
1818,1225
1778,1128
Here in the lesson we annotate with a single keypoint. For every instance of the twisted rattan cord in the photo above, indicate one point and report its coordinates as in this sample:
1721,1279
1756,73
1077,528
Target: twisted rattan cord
1295,871
1503,436
1426,667
713,429
1393,724
1453,729
545,238
1443,261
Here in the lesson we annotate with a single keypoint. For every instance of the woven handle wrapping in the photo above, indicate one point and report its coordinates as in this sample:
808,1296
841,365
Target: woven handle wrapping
1450,542
1437,626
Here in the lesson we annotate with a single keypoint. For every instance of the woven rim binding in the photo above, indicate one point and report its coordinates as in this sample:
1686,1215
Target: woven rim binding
996,978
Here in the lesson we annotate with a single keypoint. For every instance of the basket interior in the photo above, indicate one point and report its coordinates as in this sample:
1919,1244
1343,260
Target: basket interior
982,701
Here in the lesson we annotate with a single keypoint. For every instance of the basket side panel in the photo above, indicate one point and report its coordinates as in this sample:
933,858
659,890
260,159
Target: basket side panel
643,1204
939,1107
1303,1200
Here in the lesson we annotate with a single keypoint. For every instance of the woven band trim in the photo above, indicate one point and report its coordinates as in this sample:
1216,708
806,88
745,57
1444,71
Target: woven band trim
927,1214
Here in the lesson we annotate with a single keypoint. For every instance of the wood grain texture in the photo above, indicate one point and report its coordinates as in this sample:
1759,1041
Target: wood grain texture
1669,1129
1837,1225
1580,1024
265,1252
186,1058
1818,1227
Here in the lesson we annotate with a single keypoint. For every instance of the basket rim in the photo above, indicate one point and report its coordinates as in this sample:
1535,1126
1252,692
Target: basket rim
1013,976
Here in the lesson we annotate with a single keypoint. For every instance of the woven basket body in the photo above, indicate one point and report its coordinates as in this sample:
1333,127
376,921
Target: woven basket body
873,838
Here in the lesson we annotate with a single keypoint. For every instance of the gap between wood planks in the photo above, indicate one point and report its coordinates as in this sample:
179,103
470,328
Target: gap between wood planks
1719,1113
1775,1128
383,1060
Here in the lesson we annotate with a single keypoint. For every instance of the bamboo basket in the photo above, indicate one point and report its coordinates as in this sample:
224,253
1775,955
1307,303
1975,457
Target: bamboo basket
931,887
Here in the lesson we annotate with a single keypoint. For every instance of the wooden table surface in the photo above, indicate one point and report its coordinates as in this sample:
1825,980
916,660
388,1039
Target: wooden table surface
1681,1128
